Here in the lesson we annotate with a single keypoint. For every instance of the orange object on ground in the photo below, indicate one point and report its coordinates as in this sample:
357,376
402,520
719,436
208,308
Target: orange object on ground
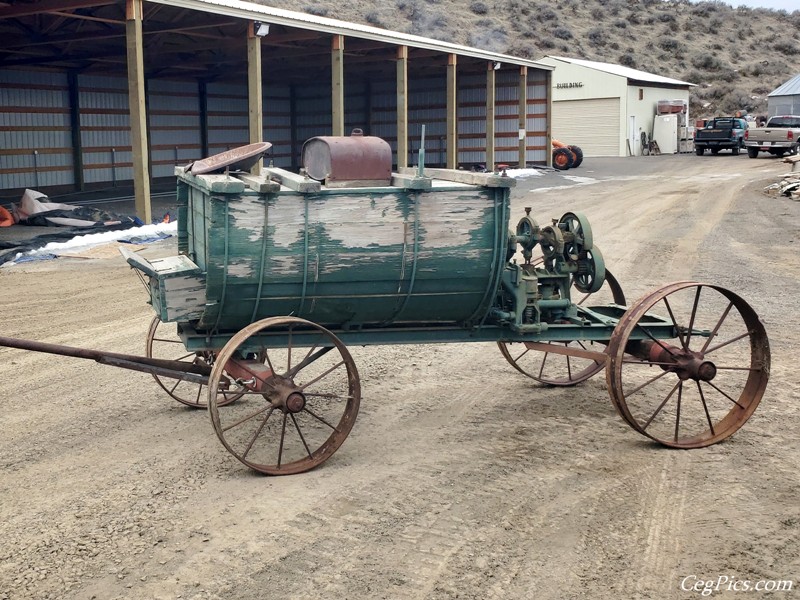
6,220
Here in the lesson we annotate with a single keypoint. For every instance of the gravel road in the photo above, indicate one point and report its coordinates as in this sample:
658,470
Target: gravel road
461,478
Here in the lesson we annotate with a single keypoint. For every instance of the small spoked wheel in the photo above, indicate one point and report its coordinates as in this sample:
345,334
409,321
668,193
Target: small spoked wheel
580,234
702,385
300,393
554,367
163,342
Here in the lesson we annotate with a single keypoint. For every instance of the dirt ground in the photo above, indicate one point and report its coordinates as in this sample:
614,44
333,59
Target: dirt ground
461,478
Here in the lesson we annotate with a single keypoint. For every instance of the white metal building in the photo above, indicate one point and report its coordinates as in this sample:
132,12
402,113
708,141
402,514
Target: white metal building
604,108
785,100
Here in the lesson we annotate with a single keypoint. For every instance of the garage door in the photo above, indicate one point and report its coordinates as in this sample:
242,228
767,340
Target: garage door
591,124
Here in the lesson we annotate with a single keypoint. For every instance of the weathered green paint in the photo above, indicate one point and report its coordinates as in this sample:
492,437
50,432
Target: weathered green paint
383,265
346,257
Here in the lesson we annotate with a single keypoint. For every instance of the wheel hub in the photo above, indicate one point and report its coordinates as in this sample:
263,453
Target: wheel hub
295,402
686,364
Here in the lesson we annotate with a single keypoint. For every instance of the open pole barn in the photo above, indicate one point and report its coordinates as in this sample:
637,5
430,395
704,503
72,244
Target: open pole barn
99,93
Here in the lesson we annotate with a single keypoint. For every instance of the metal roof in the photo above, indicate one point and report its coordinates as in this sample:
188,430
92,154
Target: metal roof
790,88
259,12
623,71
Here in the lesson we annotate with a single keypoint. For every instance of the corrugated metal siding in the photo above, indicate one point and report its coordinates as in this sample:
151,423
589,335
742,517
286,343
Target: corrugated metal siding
783,105
228,121
356,107
313,113
277,108
471,120
383,122
174,118
537,149
35,137
105,129
427,104
591,124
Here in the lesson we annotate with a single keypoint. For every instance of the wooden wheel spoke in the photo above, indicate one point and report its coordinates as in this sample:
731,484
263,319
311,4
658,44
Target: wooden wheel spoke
751,369
307,361
646,383
730,341
323,375
725,394
660,406
684,342
569,367
716,327
705,408
257,433
247,418
300,433
199,391
320,419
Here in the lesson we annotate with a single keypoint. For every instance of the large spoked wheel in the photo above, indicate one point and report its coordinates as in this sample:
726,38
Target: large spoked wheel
699,388
553,367
299,399
163,342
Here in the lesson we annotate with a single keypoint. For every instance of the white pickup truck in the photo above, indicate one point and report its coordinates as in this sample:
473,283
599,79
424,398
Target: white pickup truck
781,135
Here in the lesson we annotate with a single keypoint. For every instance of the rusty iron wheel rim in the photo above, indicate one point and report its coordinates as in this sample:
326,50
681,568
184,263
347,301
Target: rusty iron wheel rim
719,407
582,373
258,422
187,393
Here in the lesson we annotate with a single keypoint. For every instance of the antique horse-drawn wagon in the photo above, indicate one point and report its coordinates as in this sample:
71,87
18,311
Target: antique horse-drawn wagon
277,274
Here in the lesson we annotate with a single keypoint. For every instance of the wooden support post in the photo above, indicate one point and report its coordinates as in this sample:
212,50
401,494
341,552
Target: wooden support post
138,112
402,106
523,117
452,113
490,99
254,92
337,85
75,129
202,97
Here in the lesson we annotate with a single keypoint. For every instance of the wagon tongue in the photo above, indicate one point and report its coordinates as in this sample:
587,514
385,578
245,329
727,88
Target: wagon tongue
196,373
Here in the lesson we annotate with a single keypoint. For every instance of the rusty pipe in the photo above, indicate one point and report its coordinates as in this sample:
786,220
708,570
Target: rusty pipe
168,368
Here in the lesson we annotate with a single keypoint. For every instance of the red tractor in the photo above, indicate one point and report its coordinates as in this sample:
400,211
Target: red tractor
565,156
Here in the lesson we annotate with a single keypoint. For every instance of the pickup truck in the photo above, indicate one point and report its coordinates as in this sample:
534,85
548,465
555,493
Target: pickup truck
719,133
781,135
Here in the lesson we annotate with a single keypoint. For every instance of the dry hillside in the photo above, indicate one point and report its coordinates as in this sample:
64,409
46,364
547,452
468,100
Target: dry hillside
736,56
